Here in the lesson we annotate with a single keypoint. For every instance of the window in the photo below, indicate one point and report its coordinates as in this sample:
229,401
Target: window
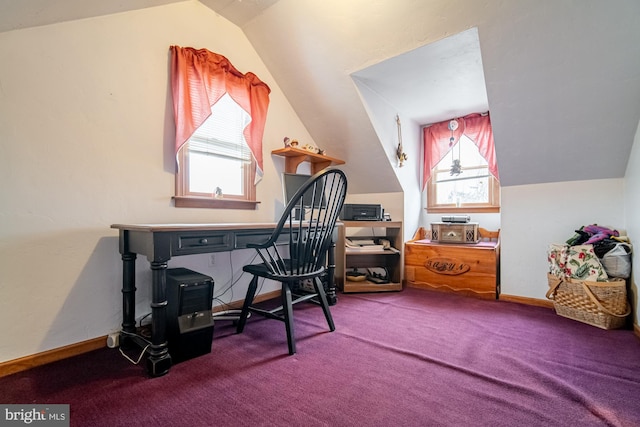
472,189
220,115
460,169
216,161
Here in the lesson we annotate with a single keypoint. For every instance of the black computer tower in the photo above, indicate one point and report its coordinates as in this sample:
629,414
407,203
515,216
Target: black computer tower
189,321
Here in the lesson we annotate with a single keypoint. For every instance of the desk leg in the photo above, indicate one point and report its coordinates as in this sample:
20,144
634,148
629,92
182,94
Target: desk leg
129,293
128,336
332,297
159,360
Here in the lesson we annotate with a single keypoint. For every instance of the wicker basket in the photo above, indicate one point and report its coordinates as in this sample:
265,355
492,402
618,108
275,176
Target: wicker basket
601,304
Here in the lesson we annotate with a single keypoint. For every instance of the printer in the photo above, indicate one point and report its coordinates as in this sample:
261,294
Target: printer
361,212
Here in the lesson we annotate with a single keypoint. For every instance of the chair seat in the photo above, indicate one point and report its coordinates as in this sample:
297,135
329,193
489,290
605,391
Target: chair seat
290,276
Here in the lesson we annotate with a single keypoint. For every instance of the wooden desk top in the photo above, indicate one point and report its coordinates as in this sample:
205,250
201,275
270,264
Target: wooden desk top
195,227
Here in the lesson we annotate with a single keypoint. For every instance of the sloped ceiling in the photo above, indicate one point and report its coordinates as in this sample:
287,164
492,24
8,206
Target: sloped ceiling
16,14
238,11
562,78
448,71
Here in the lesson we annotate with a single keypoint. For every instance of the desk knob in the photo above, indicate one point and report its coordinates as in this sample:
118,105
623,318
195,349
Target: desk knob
204,241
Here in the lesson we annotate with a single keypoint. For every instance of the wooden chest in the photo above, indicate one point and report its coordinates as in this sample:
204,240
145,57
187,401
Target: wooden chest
469,269
450,232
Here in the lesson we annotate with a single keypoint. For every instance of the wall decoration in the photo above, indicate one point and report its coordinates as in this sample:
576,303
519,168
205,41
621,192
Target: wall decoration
400,154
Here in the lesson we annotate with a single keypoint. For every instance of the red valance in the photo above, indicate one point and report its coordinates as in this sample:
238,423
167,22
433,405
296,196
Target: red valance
199,78
476,127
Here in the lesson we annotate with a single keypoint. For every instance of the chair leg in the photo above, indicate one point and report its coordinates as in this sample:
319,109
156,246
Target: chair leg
287,311
248,300
324,303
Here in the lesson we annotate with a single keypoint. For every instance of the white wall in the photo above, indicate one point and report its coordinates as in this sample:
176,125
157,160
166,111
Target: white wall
383,118
86,130
533,216
632,214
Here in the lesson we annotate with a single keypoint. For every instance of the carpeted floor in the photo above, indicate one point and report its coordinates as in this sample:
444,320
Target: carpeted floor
412,358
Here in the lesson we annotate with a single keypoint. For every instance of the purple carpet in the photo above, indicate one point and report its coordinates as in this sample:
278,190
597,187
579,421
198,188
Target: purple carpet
413,358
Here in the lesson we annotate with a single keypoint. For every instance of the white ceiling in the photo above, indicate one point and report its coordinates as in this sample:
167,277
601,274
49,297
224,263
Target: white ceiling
561,79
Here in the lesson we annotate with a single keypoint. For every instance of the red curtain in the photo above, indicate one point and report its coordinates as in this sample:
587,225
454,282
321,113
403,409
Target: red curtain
199,78
436,142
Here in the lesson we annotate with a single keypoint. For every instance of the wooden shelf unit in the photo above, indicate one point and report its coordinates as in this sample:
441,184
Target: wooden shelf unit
294,156
391,259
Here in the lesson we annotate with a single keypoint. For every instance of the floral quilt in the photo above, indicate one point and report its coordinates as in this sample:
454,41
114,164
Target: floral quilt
577,262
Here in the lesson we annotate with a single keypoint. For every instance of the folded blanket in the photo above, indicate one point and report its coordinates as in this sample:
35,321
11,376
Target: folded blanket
577,262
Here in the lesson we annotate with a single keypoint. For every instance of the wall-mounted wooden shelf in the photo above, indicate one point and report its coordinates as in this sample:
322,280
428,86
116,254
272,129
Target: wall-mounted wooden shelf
294,156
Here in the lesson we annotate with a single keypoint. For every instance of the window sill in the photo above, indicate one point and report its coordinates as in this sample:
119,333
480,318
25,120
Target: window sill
206,202
463,209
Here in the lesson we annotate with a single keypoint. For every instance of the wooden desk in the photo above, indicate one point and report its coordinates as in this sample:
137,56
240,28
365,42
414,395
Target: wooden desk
160,242
469,269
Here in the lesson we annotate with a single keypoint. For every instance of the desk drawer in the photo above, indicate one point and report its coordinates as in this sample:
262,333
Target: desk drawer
258,236
202,242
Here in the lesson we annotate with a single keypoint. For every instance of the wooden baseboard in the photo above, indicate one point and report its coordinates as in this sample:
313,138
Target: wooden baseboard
24,363
28,362
526,300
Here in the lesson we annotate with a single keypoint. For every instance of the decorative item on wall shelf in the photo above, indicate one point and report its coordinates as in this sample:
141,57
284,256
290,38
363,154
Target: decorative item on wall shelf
288,142
311,148
400,154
